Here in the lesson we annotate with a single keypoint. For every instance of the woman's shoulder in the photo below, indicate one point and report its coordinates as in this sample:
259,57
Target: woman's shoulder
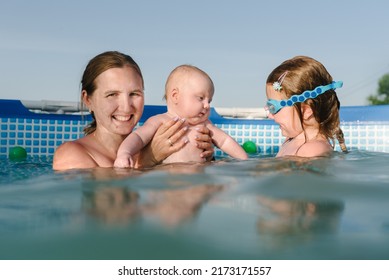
72,154
71,146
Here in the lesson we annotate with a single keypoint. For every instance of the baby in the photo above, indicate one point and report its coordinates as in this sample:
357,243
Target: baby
188,93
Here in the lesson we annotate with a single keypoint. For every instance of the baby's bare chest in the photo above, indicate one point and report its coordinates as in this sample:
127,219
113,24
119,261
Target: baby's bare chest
190,152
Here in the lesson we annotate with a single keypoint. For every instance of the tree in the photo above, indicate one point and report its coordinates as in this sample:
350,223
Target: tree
382,96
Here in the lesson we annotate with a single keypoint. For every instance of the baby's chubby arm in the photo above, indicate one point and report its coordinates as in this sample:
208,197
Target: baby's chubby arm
136,141
226,143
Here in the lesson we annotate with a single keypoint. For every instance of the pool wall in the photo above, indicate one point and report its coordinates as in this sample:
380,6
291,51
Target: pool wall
364,127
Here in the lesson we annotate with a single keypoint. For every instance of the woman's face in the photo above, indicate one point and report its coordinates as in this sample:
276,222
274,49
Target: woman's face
118,100
288,117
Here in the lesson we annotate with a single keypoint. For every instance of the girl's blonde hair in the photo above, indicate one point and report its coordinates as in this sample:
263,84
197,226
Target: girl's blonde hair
305,73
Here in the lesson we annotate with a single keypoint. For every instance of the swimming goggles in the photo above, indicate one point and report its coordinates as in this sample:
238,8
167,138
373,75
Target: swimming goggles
274,106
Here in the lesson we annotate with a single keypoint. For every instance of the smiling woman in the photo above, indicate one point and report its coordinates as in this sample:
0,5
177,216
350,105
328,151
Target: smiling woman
112,89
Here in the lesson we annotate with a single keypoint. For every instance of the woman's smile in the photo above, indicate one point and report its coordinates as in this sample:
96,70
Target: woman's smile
122,118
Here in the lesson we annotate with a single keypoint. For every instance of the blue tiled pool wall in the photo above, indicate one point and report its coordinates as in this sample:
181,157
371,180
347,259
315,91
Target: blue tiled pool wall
40,137
364,127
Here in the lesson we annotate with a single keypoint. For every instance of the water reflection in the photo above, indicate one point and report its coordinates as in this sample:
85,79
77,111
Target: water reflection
290,217
171,207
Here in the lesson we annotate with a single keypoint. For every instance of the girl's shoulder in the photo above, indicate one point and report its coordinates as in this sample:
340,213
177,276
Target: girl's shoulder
315,148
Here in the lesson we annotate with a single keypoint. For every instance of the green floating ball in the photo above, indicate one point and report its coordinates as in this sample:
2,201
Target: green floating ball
17,153
250,147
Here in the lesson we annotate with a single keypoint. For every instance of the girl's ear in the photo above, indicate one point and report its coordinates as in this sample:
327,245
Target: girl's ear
306,111
175,95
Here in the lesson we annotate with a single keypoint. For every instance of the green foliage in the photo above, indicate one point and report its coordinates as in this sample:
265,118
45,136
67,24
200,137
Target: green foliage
383,85
382,96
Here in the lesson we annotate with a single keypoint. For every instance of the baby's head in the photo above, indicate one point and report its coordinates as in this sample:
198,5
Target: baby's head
189,92
299,74
182,74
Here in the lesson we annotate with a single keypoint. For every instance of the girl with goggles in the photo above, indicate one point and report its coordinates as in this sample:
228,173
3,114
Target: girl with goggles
302,100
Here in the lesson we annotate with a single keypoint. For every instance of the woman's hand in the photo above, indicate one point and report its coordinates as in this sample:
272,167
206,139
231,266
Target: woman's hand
167,140
204,142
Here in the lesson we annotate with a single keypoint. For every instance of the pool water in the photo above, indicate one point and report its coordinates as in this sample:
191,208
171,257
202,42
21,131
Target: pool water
263,208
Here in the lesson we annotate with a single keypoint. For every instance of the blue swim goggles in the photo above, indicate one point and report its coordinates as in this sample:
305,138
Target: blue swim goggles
274,106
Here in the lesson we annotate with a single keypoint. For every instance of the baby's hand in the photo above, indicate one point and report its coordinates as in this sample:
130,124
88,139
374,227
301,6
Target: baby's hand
124,162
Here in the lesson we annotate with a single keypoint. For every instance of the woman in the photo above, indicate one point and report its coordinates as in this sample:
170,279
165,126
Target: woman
113,91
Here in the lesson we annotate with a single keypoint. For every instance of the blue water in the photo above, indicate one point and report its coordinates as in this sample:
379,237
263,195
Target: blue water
263,208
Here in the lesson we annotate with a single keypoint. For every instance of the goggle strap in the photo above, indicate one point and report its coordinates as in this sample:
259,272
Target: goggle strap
310,94
274,106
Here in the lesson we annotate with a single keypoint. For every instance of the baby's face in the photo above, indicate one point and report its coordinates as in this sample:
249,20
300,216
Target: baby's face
195,97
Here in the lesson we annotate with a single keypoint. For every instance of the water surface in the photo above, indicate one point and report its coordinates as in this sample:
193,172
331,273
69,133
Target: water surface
263,208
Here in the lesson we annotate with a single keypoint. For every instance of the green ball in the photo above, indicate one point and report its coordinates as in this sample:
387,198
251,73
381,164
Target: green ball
17,153
250,147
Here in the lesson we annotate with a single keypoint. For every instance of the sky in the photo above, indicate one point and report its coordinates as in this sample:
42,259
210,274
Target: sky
45,44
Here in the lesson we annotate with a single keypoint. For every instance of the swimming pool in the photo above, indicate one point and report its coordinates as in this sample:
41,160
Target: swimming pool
263,208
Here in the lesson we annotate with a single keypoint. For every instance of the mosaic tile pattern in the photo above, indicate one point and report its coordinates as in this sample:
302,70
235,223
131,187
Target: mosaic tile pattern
40,137
368,136
268,138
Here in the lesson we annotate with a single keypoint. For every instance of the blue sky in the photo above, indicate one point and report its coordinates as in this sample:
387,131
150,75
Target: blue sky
45,45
